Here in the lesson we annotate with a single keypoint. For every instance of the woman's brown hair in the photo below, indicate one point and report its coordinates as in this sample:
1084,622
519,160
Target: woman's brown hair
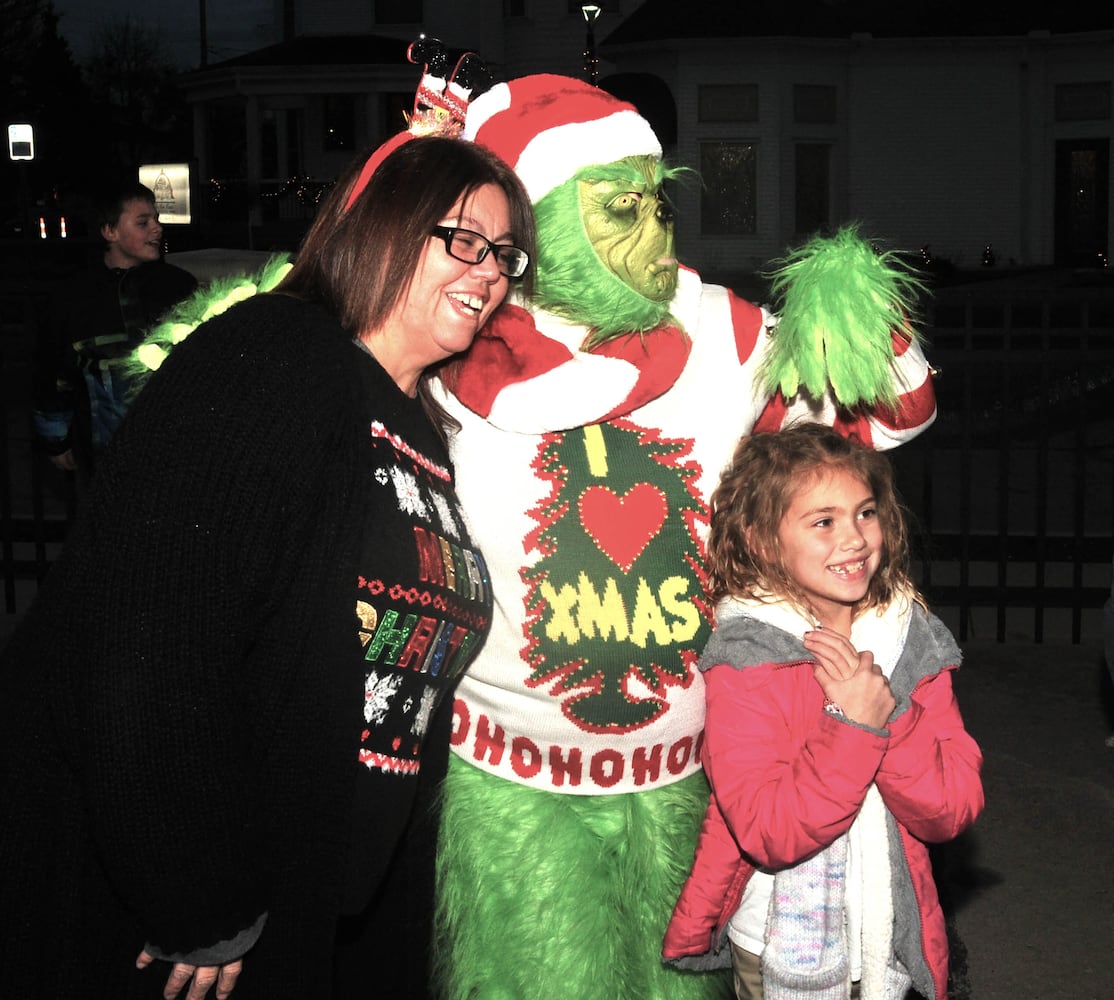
358,262
755,491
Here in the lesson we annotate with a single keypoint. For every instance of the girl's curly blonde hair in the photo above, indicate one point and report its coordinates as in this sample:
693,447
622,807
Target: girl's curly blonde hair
754,493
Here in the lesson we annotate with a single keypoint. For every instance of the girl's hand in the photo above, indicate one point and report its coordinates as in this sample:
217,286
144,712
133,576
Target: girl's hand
850,679
199,978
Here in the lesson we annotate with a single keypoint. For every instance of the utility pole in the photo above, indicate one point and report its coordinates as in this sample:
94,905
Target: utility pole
204,23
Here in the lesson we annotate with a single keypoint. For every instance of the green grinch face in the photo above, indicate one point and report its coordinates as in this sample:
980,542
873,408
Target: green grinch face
631,227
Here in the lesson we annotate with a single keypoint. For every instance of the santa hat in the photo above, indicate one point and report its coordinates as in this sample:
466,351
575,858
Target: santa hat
548,127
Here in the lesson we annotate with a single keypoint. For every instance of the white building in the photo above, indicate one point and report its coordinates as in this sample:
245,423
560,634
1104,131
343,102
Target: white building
933,125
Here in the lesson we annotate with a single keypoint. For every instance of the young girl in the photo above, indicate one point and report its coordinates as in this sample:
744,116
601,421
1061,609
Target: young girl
833,741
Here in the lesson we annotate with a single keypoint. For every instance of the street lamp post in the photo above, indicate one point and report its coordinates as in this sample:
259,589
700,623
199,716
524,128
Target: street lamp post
591,64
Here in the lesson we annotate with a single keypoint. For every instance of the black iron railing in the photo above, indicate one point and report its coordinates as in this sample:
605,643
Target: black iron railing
1012,490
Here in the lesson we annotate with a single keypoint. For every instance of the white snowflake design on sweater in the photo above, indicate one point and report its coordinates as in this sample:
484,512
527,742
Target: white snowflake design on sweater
409,493
379,692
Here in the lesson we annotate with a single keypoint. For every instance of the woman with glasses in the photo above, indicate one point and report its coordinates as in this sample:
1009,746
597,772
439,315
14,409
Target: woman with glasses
227,713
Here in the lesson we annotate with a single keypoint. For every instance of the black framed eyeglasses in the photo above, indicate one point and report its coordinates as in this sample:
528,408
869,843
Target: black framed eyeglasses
471,248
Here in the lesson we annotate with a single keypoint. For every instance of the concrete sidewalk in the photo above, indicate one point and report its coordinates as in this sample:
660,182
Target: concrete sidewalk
1031,883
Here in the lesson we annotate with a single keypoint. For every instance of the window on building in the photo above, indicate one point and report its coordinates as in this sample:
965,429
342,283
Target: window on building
398,12
812,187
1082,184
269,158
728,200
295,123
514,8
1083,102
727,102
339,122
814,104
227,144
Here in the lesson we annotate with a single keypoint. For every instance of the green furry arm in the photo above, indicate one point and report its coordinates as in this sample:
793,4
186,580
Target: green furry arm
208,301
839,303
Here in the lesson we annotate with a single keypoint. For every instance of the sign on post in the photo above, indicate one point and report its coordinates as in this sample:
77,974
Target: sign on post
171,184
21,142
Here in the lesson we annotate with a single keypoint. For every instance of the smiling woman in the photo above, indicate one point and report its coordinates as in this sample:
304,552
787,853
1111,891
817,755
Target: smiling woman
411,301
297,594
451,295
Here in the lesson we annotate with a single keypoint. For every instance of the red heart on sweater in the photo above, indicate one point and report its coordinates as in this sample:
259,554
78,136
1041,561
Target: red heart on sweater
622,526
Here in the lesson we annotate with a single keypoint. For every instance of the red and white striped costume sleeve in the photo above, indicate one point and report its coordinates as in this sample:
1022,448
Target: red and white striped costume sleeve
882,427
527,373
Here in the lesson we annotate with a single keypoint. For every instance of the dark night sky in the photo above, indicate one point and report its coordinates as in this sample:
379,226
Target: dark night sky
233,28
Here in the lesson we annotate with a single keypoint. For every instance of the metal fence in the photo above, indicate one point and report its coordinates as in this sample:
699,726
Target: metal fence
1011,491
36,501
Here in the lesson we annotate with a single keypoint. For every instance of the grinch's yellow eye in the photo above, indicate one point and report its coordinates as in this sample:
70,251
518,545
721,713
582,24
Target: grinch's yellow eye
625,203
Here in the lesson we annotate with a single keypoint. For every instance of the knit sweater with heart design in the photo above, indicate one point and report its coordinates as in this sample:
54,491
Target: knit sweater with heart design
586,476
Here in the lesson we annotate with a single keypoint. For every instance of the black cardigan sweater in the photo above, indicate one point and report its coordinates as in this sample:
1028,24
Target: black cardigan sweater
180,709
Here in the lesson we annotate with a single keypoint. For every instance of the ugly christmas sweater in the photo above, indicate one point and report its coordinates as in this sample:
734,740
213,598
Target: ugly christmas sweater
216,709
587,478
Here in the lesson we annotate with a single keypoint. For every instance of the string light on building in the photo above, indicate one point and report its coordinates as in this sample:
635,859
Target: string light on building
591,64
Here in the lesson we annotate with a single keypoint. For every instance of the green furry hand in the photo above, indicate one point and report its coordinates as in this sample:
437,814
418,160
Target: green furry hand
840,303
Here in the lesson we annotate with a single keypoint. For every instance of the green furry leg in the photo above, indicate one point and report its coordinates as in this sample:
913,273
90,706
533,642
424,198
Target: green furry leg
553,896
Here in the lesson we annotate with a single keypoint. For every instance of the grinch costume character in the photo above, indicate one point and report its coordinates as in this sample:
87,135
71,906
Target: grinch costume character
595,419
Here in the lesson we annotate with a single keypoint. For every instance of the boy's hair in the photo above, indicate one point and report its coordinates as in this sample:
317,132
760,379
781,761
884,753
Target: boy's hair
109,203
754,493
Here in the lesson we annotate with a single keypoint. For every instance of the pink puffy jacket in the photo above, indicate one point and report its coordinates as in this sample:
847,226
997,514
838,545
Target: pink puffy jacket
788,778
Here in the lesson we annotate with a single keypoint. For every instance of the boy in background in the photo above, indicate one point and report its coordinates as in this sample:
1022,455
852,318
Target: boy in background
79,391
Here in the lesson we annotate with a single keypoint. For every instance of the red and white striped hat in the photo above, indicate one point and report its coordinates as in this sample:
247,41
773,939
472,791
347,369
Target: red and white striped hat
548,127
